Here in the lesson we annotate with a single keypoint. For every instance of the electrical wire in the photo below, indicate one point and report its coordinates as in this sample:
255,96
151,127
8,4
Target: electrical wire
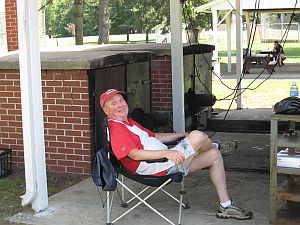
48,2
234,9
235,89
249,49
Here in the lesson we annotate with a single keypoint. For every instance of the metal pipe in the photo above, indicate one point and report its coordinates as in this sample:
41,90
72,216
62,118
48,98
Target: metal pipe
32,107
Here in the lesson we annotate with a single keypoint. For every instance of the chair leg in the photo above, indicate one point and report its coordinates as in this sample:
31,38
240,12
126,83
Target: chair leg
185,205
143,201
180,209
121,196
182,192
108,208
124,203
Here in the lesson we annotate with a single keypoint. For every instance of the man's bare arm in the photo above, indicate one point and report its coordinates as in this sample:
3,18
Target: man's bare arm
168,137
176,156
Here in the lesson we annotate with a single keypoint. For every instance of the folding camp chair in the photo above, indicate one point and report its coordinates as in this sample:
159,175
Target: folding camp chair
158,182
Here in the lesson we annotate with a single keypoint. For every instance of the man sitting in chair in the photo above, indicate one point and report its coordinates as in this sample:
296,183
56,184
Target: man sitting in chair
132,143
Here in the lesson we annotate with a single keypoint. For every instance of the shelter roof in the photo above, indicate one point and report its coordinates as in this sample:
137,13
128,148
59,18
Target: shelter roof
100,56
249,5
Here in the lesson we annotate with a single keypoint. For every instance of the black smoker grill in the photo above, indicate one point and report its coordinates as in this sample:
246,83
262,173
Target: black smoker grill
198,96
131,72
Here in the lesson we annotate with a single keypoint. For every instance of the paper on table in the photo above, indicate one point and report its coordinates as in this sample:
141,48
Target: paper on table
286,160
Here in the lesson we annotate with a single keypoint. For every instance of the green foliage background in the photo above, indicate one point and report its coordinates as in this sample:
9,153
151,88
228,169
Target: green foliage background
133,15
61,12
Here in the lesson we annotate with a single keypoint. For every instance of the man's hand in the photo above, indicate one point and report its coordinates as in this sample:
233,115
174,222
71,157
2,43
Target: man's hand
176,156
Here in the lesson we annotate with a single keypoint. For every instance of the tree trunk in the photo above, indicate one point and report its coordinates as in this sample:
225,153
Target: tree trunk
103,22
147,36
78,22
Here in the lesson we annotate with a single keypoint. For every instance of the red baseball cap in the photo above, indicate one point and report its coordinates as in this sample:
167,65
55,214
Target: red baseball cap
107,95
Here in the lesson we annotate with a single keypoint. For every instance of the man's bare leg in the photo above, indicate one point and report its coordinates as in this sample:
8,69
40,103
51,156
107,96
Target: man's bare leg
209,156
213,160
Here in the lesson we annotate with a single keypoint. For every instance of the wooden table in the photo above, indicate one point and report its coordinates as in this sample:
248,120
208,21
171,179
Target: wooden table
262,61
289,190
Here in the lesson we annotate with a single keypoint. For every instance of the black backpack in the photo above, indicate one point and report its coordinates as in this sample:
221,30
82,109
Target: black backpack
290,105
104,174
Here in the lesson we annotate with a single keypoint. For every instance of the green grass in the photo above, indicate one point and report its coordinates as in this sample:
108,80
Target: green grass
10,192
265,96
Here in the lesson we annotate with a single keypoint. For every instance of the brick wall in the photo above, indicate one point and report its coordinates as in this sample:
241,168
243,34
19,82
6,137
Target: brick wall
161,89
67,119
11,24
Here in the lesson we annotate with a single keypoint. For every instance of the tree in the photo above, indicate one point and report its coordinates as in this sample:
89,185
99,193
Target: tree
125,16
58,15
148,14
78,14
137,15
121,17
91,18
143,15
103,22
61,12
193,19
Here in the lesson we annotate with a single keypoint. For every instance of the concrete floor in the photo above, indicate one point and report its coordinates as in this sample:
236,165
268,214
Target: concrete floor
81,203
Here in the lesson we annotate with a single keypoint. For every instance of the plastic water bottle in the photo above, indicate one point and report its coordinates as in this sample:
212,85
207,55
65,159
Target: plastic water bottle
294,89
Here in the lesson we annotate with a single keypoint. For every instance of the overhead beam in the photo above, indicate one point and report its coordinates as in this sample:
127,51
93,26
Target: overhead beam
225,17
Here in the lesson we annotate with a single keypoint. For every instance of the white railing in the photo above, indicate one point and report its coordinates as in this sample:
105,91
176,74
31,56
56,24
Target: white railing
3,36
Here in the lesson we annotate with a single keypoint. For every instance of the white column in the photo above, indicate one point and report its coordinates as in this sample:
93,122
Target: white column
3,34
281,23
239,55
228,26
215,40
298,32
177,66
32,109
248,25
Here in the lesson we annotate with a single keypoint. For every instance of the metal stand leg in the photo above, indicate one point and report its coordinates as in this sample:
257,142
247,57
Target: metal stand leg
186,205
124,203
108,209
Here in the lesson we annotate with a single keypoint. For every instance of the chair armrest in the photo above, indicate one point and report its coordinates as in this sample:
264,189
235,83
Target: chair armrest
156,160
